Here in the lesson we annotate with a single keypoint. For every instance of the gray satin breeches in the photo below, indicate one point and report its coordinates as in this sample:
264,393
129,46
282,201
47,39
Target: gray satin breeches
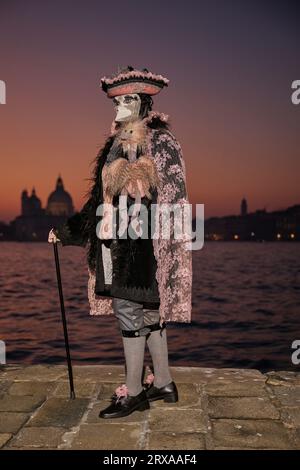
134,320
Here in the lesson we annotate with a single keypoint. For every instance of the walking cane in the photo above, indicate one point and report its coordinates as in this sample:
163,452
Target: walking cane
64,321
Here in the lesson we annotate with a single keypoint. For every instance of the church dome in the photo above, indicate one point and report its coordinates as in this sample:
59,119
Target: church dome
60,201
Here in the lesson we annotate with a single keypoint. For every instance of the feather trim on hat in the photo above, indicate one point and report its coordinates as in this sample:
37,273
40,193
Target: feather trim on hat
134,74
132,80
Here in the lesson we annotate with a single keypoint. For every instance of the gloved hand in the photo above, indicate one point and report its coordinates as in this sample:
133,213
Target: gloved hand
52,237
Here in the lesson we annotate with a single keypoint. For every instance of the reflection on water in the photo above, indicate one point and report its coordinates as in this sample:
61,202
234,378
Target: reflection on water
246,305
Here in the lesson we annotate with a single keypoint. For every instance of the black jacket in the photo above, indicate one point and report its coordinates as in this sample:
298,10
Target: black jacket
133,261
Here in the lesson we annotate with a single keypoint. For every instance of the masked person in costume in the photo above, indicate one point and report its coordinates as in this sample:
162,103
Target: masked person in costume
144,280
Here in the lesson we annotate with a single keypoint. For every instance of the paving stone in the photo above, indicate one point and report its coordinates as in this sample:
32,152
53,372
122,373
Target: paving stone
287,396
32,388
243,407
189,375
42,373
20,403
38,449
247,434
4,438
4,387
97,374
60,412
178,420
292,415
237,448
205,375
287,378
236,388
176,441
296,438
108,436
10,372
12,422
30,437
82,389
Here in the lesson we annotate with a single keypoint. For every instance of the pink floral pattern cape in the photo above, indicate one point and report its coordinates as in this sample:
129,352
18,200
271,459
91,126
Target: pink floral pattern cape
173,254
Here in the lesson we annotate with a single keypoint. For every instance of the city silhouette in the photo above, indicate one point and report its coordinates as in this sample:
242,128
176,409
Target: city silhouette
34,222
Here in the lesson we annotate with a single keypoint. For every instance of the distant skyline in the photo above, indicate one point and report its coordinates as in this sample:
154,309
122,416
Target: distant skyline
238,211
230,64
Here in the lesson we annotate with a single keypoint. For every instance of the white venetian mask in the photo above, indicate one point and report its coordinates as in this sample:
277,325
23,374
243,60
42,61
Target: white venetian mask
127,107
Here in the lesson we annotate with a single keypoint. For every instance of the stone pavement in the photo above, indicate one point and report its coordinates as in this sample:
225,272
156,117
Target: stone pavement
217,409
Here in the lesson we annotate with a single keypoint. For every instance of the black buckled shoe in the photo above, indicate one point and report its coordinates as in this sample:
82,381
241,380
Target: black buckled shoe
125,405
168,393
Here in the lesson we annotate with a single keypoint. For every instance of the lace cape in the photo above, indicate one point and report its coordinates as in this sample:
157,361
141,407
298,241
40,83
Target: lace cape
173,254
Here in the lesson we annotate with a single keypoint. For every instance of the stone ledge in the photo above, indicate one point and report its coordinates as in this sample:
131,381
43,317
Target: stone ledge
217,409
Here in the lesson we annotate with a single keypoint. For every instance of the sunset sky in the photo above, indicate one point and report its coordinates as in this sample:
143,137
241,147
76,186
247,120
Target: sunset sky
230,65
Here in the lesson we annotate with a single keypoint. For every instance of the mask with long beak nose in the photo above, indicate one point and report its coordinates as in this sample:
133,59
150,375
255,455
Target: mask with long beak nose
127,107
